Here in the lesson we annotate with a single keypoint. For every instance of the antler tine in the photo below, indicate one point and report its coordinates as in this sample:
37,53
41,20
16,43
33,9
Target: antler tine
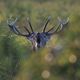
13,22
46,23
27,29
16,20
51,29
62,24
13,27
30,24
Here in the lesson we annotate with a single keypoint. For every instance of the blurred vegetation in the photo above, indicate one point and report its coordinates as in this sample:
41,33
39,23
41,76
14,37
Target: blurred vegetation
59,60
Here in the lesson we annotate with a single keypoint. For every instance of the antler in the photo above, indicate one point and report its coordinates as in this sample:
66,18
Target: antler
14,28
48,20
38,39
61,25
30,24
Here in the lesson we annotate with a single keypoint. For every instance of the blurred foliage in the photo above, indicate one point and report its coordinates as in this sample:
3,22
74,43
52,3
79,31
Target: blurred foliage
59,60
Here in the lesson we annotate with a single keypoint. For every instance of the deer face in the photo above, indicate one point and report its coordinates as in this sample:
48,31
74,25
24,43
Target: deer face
38,40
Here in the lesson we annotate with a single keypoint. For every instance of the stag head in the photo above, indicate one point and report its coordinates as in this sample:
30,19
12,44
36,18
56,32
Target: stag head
38,39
